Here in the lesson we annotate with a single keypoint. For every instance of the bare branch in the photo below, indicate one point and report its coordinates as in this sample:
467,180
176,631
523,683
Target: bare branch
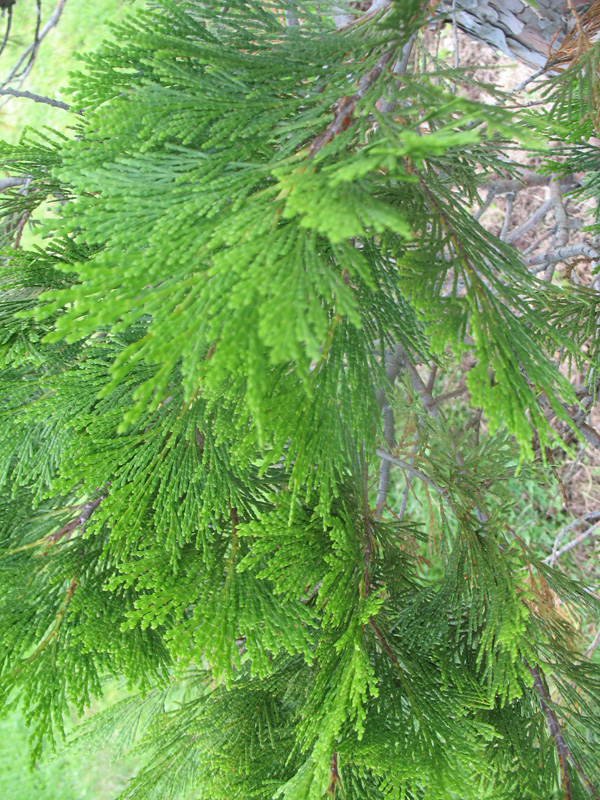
37,98
585,518
535,244
8,183
562,254
394,362
527,179
386,466
533,220
577,540
7,29
590,434
562,225
520,86
560,215
29,54
341,19
20,228
590,651
510,199
492,192
291,17
430,403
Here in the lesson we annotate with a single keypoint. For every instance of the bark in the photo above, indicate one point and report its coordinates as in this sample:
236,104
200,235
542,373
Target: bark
524,32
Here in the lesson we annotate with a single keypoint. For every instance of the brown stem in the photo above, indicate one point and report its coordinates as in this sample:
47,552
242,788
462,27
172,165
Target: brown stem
347,105
86,511
564,753
19,230
554,728
334,777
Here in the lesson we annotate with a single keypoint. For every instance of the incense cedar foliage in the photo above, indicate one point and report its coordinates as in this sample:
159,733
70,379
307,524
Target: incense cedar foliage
194,367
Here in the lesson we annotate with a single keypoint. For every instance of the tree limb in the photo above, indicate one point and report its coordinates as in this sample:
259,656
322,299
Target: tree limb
562,254
37,98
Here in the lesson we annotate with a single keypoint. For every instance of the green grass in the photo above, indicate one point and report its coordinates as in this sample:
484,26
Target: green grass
67,776
81,28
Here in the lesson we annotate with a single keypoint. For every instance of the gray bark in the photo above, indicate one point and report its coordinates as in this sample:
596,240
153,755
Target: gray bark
515,27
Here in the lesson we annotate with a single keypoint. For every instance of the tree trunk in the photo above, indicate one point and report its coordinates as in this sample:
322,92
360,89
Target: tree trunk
515,27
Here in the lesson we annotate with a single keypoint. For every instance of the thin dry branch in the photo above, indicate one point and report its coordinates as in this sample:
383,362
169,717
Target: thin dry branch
291,15
585,518
386,466
8,183
411,471
561,238
394,362
594,644
570,545
562,254
37,98
85,512
30,52
531,222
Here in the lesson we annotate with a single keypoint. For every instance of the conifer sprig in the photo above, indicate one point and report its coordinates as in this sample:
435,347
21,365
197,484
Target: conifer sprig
264,238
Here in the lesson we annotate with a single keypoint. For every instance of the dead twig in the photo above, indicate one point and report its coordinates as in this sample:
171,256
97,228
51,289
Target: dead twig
334,777
37,98
411,471
291,16
577,540
590,651
562,254
8,183
585,518
510,200
86,511
531,222
19,72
